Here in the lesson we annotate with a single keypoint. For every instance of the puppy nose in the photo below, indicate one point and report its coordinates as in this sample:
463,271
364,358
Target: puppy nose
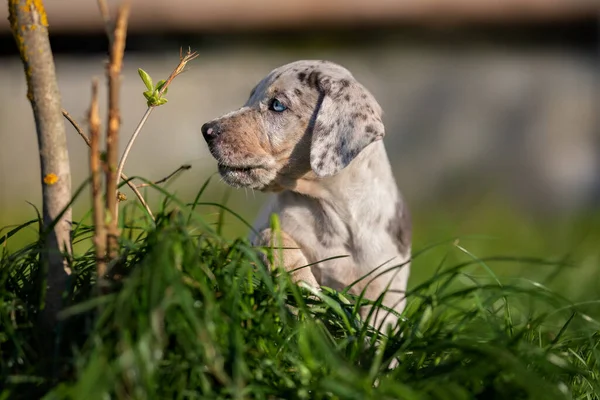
210,131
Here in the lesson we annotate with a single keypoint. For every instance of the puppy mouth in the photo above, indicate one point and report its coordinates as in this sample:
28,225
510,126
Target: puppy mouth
248,176
244,169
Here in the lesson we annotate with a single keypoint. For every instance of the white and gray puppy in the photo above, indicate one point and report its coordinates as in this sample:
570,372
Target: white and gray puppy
312,134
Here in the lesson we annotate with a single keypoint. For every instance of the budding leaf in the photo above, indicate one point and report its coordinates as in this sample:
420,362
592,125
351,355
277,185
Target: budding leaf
159,86
148,94
146,79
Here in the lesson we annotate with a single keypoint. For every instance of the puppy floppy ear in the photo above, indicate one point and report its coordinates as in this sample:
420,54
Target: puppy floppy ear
348,120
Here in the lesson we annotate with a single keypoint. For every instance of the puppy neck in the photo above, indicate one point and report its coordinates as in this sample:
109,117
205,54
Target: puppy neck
360,201
368,175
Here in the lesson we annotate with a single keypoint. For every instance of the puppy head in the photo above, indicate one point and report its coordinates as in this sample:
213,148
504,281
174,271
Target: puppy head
304,119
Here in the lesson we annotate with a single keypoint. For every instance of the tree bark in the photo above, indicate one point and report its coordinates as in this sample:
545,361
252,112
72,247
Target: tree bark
29,26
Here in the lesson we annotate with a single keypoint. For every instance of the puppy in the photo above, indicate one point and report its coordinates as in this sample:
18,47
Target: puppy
312,135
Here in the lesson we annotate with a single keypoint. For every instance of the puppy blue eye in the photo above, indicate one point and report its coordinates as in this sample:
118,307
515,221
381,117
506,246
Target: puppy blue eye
277,106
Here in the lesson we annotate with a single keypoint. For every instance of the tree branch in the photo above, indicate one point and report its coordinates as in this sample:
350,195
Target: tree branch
95,168
106,17
113,72
184,167
75,125
29,26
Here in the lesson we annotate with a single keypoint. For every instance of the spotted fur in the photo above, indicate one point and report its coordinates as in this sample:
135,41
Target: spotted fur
324,159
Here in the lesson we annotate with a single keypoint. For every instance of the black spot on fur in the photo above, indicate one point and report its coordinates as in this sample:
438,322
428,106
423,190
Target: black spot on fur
357,115
319,127
301,77
345,83
313,80
343,143
298,92
321,163
347,155
278,76
369,129
400,230
334,158
347,97
363,96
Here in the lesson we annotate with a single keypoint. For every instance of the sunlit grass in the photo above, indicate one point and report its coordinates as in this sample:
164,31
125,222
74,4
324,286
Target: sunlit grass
198,316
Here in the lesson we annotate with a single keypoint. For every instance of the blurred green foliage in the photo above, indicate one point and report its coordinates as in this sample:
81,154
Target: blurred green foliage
198,316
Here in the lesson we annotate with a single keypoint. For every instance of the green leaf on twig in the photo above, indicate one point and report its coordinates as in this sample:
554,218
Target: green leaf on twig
160,85
146,79
153,95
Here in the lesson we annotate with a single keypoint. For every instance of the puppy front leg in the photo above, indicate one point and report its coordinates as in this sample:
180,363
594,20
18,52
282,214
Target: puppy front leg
287,254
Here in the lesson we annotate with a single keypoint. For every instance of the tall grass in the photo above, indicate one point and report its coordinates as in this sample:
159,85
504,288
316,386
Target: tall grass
191,314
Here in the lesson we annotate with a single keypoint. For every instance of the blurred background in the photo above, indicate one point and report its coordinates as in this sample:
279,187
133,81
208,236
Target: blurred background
491,111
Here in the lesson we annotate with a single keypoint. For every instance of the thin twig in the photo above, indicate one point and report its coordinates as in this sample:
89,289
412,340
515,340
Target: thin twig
184,167
95,163
75,125
183,60
113,72
106,17
132,139
124,177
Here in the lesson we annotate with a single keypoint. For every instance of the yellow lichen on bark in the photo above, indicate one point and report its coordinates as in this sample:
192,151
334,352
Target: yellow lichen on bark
26,15
36,6
50,179
14,27
39,7
28,24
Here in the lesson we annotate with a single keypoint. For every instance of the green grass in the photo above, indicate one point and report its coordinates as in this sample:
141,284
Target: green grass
198,316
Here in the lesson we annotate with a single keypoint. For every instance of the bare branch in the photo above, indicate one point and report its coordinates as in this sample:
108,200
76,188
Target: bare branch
183,60
184,167
76,126
106,17
113,72
124,177
95,168
29,26
132,139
